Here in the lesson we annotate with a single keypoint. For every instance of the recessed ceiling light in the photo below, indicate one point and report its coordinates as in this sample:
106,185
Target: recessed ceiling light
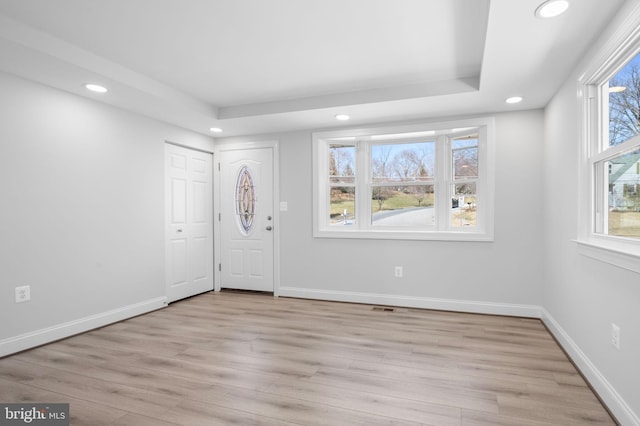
216,129
513,100
95,88
342,117
552,8
617,89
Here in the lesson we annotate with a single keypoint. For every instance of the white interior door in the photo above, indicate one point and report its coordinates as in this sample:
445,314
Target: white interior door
189,222
246,219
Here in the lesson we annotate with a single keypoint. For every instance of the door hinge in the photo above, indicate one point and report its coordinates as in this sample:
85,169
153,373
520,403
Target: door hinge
220,267
218,166
219,217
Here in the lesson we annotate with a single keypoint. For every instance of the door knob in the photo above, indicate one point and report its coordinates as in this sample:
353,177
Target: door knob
269,228
179,230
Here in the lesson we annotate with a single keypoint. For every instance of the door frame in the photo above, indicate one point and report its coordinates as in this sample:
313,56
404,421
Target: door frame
221,147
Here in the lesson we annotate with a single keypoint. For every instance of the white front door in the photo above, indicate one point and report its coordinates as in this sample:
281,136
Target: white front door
189,222
247,219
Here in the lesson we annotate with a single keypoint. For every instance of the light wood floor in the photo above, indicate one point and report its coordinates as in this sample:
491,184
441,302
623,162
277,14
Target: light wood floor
228,358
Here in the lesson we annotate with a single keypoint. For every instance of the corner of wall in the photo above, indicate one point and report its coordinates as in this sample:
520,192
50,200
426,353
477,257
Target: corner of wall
607,393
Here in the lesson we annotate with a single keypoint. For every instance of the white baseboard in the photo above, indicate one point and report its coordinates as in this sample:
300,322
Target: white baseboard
620,409
530,311
60,331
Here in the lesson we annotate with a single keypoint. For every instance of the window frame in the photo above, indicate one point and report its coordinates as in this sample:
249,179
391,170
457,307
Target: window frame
363,138
593,99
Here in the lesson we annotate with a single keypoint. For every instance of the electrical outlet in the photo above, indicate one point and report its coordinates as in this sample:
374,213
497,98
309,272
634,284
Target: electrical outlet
23,294
398,271
615,336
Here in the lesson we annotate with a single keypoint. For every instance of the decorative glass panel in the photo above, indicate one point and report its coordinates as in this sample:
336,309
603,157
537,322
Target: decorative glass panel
245,199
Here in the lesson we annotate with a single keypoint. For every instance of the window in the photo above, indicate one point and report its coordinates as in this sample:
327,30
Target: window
427,181
342,183
611,98
402,184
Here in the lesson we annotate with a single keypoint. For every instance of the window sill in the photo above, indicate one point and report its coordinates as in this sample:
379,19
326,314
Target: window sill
405,235
614,256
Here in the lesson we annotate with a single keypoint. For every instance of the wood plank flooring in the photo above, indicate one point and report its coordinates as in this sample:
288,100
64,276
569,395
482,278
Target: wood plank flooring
234,358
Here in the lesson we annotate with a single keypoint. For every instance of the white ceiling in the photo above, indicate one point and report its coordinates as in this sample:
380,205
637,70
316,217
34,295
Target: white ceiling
260,66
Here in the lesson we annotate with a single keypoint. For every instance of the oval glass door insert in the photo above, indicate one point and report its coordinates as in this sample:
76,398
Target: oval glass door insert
245,199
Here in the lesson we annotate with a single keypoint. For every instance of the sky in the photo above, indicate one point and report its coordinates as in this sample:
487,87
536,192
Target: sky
426,150
635,61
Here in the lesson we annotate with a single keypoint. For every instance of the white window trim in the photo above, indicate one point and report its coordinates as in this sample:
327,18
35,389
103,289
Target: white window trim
484,231
620,48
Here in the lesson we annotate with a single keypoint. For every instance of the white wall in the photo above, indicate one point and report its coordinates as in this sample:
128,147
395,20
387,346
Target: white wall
583,296
501,276
82,217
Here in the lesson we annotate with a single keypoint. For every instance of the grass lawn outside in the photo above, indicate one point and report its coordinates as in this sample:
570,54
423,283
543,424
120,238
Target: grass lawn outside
396,200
